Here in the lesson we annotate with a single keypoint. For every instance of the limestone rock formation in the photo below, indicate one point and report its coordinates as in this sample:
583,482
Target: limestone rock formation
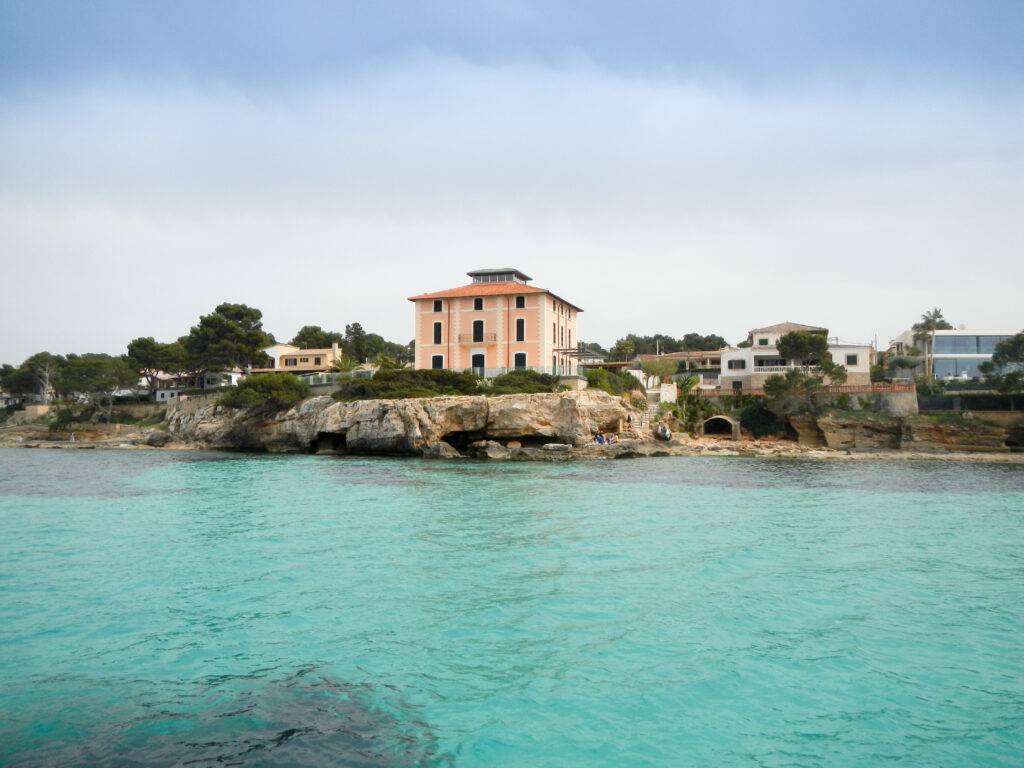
915,433
437,427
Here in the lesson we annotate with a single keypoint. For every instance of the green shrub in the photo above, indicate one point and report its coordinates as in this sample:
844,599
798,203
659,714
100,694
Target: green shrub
612,383
757,419
402,383
525,381
597,378
629,382
268,391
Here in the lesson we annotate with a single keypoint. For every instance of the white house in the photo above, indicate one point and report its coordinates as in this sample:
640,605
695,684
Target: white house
747,367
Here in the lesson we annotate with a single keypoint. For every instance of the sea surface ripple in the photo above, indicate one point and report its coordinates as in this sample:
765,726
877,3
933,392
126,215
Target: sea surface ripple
210,609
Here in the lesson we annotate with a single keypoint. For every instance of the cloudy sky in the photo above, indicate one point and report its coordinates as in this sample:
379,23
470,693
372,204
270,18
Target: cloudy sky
668,166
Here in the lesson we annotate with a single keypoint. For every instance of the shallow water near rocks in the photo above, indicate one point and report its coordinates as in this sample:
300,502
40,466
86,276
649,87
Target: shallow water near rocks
209,609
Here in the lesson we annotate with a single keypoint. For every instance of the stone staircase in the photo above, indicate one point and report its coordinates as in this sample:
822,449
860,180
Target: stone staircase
650,416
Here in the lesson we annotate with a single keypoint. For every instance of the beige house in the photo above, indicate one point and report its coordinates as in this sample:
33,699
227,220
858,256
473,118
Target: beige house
495,324
748,367
287,357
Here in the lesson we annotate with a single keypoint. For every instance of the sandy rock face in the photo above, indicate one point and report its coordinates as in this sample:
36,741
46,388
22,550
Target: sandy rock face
415,426
882,433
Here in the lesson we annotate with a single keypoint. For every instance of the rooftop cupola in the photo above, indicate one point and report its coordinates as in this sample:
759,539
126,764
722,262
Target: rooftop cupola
503,275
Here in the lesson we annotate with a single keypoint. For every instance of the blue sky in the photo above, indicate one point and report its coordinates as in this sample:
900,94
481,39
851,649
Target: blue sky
669,166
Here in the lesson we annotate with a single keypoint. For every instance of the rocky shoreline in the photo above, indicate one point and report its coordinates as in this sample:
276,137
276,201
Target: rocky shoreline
545,427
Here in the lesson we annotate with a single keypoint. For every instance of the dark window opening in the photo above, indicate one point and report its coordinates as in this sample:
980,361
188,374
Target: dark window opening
520,329
478,303
437,305
478,330
520,302
437,333
437,362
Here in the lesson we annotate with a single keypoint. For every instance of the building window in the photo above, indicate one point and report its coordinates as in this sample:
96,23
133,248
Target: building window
318,361
520,302
737,365
851,359
520,360
303,359
437,362
570,337
762,342
437,305
437,333
554,333
520,329
561,335
478,303
478,330
737,385
290,361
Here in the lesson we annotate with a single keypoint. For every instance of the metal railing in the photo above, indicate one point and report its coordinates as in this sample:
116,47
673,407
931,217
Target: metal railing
478,338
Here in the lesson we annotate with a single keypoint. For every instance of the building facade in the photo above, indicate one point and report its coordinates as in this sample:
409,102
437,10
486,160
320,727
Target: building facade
748,367
497,323
955,354
292,359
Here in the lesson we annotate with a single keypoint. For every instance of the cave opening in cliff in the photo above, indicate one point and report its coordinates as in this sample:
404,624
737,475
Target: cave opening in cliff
329,442
460,440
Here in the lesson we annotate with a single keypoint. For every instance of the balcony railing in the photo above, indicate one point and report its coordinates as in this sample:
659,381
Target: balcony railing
480,338
774,368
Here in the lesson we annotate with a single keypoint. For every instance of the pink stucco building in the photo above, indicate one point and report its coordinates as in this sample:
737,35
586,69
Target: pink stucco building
495,324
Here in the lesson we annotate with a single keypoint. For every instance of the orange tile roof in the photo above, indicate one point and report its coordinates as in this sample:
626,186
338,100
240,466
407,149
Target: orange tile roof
489,289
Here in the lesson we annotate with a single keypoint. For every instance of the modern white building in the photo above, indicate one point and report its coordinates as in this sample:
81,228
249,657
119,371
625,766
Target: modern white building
747,367
956,354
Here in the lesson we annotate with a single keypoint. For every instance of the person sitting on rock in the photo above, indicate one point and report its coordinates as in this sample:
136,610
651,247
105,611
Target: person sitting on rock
599,438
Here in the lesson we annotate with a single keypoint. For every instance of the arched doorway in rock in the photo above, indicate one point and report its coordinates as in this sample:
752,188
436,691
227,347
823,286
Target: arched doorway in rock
721,425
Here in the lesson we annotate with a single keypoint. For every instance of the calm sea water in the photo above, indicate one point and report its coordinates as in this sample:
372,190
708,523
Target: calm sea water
171,609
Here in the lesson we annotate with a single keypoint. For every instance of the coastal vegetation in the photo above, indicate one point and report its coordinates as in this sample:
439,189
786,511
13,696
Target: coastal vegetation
1005,373
631,344
797,390
270,392
399,383
231,336
611,382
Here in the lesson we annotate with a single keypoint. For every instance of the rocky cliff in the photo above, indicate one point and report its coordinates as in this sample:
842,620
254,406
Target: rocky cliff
921,434
436,426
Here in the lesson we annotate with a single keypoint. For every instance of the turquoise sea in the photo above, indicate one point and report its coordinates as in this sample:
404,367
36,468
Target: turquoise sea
199,609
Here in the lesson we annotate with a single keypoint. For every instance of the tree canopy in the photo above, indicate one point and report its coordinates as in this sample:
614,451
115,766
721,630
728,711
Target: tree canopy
95,379
315,337
35,376
230,336
150,357
631,344
1005,373
806,348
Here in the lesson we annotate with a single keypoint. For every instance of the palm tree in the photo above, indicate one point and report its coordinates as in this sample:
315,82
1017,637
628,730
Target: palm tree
924,332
